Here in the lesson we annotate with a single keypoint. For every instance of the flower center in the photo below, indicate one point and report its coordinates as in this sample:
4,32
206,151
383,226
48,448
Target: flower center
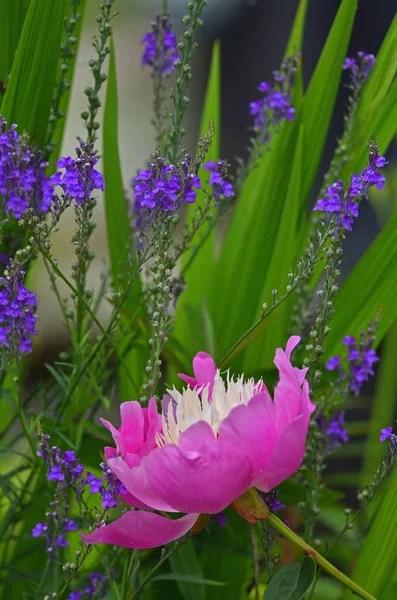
194,405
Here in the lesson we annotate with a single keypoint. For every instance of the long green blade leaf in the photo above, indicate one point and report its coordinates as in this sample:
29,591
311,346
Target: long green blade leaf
321,93
118,229
28,98
370,287
12,15
376,561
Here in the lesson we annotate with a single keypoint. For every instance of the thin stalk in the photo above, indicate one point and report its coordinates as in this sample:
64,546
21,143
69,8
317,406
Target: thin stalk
321,562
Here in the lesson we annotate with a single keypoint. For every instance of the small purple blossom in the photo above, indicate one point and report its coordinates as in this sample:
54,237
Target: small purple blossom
160,47
61,542
220,186
333,363
69,525
384,434
271,499
17,305
56,474
75,596
220,519
39,530
275,106
345,205
359,68
387,434
80,179
336,431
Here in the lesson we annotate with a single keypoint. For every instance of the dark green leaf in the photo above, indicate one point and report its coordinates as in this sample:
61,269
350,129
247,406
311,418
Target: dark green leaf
28,98
187,572
292,581
320,96
12,15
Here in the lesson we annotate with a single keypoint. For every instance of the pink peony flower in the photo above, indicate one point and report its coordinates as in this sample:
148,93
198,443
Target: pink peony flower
214,442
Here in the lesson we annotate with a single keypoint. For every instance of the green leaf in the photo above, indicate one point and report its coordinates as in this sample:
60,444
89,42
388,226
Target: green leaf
117,217
227,556
376,562
377,112
28,98
320,96
261,354
292,581
371,285
235,295
295,39
65,100
119,232
12,15
187,572
194,296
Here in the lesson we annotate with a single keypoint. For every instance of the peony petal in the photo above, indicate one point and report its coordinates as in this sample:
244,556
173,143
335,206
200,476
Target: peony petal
117,437
135,481
191,381
204,369
287,455
131,429
141,530
203,474
134,502
290,399
252,428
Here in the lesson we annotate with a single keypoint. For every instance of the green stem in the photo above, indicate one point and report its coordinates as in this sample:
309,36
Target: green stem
318,558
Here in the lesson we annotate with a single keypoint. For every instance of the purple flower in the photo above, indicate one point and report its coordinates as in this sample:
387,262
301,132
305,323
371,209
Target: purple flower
79,180
271,499
94,483
275,106
160,47
333,363
163,187
17,321
69,525
75,596
220,186
336,431
345,206
69,456
220,519
39,529
359,67
384,435
61,542
23,182
56,474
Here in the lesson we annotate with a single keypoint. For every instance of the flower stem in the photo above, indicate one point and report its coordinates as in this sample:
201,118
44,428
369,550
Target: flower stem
318,558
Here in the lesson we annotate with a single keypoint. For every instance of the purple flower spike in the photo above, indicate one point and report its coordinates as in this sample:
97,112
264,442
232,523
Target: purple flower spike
359,67
163,187
345,205
17,321
23,182
221,187
79,180
160,47
275,106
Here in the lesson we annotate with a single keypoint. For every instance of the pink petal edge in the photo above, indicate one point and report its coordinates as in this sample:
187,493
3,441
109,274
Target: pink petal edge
141,530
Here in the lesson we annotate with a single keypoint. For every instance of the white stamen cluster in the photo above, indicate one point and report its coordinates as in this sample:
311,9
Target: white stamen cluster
191,406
